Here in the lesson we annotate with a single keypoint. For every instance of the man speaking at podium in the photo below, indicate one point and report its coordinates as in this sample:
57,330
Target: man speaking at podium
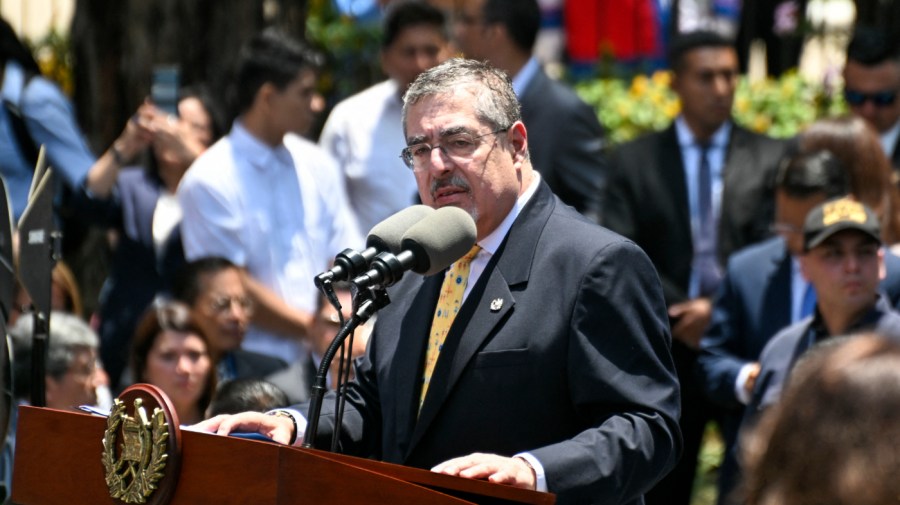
555,374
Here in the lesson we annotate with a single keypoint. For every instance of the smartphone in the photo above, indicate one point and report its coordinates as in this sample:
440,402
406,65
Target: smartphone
164,88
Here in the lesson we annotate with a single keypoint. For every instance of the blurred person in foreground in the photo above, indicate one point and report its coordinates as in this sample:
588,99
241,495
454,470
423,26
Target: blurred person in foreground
556,374
832,440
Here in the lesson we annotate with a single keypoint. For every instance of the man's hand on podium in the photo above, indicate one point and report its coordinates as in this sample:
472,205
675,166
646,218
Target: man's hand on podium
497,469
278,428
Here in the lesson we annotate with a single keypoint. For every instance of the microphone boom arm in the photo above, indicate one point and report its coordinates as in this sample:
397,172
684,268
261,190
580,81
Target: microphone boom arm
372,301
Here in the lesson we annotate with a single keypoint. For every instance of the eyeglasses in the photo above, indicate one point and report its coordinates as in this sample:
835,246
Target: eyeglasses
223,304
879,99
459,147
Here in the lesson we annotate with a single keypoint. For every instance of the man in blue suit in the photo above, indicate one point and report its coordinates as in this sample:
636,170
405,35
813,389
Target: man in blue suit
763,292
843,259
556,374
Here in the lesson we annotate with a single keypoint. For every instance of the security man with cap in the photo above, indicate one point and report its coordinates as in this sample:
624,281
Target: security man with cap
844,261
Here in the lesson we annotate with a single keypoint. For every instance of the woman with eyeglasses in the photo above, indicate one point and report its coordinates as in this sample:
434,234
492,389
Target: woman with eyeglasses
171,351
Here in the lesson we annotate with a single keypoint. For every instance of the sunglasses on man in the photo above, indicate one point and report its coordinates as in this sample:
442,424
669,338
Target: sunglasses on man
879,99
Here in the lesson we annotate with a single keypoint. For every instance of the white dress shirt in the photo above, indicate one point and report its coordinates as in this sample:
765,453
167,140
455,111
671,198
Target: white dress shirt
280,212
364,134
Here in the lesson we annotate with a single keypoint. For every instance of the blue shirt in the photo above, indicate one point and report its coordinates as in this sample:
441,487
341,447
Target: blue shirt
50,120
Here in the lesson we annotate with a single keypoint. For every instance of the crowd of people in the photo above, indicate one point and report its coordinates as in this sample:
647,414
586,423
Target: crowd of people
617,301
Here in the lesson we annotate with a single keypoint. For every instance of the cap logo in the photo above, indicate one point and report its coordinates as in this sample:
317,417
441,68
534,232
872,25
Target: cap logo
843,210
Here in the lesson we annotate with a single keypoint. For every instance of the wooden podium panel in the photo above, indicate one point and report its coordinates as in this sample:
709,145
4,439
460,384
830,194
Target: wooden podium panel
58,460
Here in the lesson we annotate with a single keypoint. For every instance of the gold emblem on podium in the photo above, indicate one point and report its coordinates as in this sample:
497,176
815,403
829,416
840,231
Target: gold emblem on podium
134,467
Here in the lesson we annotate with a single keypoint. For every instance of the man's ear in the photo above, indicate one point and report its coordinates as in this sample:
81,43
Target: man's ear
265,92
882,270
518,139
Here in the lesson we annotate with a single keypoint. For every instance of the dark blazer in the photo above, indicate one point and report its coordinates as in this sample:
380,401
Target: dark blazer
253,365
136,271
782,352
296,380
647,200
565,141
560,350
752,305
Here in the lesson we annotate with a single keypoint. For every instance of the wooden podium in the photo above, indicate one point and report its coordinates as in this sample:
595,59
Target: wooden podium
58,460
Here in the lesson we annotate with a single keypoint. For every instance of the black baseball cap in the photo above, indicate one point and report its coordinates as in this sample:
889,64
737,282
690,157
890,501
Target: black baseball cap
838,215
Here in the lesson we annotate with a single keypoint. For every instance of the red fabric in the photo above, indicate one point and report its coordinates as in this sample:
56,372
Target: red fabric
625,29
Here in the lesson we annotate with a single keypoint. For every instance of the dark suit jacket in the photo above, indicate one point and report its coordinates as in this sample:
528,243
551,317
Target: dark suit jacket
782,352
253,365
647,200
565,141
560,349
296,380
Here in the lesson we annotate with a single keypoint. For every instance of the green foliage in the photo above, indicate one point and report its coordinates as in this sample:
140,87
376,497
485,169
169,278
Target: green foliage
778,107
353,46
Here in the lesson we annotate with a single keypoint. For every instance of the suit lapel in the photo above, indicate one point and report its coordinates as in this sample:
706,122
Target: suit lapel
489,303
780,298
671,165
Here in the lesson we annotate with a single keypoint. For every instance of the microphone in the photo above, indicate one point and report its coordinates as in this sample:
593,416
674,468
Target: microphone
384,236
428,247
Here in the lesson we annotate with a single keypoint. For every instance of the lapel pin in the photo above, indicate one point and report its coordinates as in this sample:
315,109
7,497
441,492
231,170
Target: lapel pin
496,304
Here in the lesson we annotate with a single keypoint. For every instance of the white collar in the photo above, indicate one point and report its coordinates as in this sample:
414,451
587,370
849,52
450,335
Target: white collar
492,242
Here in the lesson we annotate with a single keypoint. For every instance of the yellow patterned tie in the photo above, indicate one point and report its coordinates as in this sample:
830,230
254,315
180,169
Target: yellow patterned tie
447,306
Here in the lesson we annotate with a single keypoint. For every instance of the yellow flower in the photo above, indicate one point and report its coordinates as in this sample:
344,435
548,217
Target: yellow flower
662,78
639,85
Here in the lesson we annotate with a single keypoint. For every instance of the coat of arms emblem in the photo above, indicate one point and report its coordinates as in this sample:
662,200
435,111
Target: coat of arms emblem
134,467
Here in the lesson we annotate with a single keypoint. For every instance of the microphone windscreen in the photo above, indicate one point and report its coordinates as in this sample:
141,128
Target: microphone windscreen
387,235
440,239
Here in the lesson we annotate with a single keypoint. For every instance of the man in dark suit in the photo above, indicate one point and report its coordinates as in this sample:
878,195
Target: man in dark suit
214,289
566,137
555,375
764,291
690,196
871,86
